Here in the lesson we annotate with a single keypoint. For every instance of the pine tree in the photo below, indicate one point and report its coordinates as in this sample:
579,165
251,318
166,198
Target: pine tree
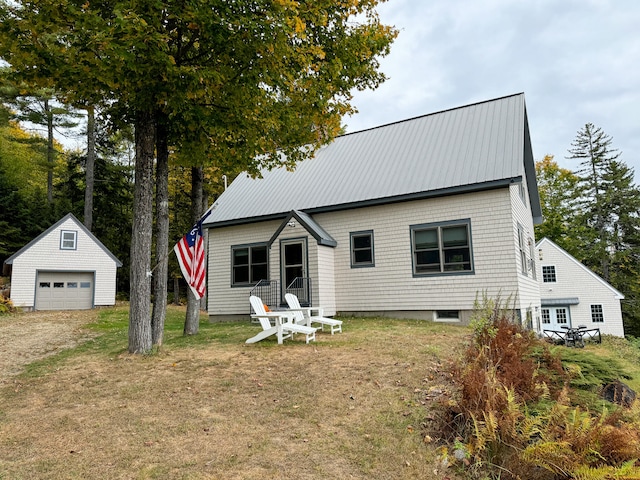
622,201
593,148
609,213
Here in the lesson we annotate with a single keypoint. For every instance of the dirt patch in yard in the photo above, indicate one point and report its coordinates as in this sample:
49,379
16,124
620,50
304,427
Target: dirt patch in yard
31,336
351,405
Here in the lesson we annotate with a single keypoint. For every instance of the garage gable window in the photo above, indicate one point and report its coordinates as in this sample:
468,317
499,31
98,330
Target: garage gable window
68,240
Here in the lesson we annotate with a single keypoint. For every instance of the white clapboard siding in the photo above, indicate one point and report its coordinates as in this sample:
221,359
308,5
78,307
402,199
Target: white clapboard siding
574,280
45,254
390,285
222,298
528,286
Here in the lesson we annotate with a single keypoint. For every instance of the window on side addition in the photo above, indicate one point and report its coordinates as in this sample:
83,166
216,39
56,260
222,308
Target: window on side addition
597,314
549,273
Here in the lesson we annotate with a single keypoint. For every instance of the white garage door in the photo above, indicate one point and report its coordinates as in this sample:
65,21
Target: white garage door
64,290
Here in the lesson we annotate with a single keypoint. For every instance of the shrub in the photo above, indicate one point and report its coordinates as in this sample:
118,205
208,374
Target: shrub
516,415
6,306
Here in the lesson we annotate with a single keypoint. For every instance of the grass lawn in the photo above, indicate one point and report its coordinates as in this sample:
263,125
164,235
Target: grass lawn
349,405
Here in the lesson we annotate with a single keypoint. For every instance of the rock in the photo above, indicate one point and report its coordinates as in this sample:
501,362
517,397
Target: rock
618,393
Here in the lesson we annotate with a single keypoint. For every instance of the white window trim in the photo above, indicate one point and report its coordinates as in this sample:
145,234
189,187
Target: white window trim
555,273
438,318
601,312
74,234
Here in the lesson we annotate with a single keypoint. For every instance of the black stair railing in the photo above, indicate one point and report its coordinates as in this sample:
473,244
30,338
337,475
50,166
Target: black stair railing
301,288
268,292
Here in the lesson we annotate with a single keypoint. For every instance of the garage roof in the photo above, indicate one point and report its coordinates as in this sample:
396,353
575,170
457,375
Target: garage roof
9,261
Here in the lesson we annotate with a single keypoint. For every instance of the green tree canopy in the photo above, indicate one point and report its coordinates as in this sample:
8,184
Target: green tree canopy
252,82
558,189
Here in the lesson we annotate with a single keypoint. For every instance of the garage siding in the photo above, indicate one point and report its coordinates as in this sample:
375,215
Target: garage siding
45,255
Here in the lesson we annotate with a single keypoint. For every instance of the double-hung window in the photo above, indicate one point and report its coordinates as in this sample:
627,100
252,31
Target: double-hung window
248,264
68,239
548,273
362,249
523,252
597,314
442,248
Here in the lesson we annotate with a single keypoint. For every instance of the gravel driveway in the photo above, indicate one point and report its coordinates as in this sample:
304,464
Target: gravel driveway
27,337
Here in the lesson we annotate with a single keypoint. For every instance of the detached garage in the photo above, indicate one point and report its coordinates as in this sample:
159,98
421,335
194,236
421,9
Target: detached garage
64,268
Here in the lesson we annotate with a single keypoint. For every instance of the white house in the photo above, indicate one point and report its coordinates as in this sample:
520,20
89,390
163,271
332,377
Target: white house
573,295
412,219
64,268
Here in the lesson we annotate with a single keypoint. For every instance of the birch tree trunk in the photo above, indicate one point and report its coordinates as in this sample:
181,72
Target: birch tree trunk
140,290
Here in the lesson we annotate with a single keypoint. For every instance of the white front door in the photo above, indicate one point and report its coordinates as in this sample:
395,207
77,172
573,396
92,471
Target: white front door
553,318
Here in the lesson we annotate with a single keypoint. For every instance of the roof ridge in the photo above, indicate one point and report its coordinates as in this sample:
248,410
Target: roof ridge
430,114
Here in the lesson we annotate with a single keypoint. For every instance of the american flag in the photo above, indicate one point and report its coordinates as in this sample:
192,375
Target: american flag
191,257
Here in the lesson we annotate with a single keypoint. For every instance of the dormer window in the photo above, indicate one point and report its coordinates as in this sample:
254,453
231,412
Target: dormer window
68,239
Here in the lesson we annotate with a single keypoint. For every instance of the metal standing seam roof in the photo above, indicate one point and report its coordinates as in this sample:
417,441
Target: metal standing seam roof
474,147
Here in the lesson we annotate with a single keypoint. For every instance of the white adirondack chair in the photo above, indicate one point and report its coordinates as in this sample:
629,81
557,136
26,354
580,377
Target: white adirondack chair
303,315
284,328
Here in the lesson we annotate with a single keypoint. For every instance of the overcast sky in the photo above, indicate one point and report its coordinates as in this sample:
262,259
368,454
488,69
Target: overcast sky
575,61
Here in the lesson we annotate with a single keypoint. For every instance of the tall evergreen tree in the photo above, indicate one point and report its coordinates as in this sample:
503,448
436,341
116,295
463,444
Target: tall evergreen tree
39,107
593,148
622,201
609,218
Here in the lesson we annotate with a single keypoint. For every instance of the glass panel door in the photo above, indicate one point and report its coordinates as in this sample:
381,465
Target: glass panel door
293,262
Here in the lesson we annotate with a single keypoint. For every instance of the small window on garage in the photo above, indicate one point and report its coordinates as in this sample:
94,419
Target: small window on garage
45,285
72,284
85,284
68,239
58,284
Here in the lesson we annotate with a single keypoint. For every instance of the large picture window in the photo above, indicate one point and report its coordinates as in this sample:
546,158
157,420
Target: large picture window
362,249
442,248
249,264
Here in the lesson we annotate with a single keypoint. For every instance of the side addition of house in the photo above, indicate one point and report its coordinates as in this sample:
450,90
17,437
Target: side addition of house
413,219
573,295
64,268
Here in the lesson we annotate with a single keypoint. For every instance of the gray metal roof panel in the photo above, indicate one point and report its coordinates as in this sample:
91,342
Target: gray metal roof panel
465,146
